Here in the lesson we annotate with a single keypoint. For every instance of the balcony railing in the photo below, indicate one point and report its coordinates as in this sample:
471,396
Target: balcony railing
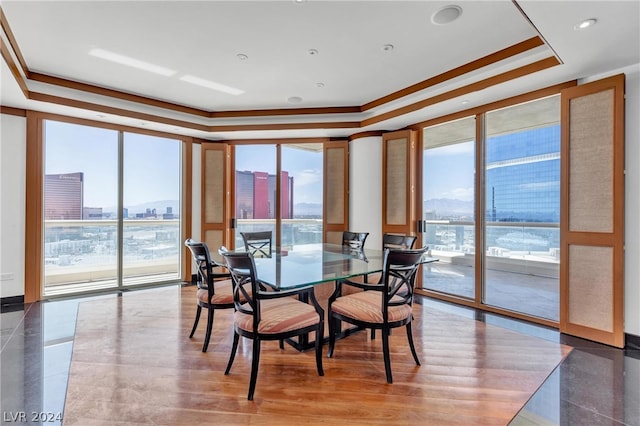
82,252
525,247
293,231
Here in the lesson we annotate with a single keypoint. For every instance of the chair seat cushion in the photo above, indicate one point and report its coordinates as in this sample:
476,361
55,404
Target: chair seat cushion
223,293
367,306
279,315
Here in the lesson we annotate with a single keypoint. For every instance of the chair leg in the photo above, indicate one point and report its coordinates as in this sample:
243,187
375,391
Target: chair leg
234,349
281,344
195,323
319,337
385,352
413,349
207,336
254,368
332,335
373,333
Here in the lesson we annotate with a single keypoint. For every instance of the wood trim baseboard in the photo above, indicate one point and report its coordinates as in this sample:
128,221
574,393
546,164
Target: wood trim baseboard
632,341
12,300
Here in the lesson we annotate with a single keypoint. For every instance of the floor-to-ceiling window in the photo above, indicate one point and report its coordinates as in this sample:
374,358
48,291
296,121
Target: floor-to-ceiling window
520,202
448,203
298,199
522,208
255,189
151,209
111,208
301,194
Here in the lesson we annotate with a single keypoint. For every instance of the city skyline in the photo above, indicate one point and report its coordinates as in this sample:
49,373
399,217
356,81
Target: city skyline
71,148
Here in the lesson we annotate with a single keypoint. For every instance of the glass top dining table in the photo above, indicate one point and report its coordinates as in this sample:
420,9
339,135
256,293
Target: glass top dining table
311,264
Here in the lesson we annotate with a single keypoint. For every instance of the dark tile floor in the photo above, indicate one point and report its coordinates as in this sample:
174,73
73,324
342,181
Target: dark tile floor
595,385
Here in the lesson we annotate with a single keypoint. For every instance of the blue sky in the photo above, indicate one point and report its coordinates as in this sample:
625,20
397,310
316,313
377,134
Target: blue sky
305,166
154,166
151,163
449,172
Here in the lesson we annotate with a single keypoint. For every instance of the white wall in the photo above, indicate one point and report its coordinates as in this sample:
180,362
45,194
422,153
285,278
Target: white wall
365,188
13,136
632,202
196,188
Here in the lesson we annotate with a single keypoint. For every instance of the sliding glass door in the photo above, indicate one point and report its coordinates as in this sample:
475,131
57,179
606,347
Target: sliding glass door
255,190
522,208
301,194
151,235
111,208
512,224
292,207
80,195
448,204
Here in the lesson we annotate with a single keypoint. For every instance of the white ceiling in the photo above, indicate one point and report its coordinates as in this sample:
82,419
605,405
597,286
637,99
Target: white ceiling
203,39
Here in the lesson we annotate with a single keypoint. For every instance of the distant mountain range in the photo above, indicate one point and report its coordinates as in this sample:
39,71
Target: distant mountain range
449,207
307,209
439,207
160,206
302,209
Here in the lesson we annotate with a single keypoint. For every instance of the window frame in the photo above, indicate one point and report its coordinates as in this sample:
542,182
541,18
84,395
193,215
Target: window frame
34,261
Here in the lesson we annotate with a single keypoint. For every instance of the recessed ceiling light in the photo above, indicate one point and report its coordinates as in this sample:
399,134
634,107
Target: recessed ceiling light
211,85
295,99
388,47
131,62
446,15
312,52
585,24
242,56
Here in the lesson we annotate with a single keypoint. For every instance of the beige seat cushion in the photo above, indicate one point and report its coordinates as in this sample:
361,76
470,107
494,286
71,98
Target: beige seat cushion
367,306
223,293
279,315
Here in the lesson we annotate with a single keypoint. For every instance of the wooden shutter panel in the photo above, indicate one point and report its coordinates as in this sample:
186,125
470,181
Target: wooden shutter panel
592,221
215,196
336,191
398,182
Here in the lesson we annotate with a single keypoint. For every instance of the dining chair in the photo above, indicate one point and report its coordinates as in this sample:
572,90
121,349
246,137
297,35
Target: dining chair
389,241
215,289
269,315
354,240
398,241
258,243
392,241
382,307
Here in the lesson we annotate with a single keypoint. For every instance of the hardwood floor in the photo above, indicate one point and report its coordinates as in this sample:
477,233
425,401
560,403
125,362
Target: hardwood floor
133,363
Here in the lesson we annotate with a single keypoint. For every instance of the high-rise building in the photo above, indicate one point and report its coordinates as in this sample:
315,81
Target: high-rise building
523,176
256,195
63,196
92,213
244,194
